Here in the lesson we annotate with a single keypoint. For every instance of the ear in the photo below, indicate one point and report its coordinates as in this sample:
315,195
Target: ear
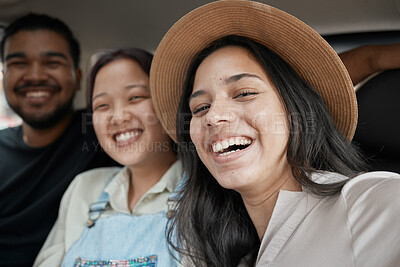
78,77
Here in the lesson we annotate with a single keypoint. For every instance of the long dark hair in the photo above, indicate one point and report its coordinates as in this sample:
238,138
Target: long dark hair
211,224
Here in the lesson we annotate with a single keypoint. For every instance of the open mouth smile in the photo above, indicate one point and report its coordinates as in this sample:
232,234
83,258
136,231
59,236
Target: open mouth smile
127,137
37,94
231,145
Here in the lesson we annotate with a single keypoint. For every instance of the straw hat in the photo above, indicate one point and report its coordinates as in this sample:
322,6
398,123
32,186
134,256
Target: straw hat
303,48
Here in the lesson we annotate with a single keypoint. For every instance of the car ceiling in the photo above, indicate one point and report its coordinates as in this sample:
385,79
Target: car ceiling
110,23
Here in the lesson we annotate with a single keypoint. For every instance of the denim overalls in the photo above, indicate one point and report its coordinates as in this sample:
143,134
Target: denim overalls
121,240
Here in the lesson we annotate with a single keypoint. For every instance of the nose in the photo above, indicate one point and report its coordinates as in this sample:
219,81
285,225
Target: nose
35,73
120,116
219,114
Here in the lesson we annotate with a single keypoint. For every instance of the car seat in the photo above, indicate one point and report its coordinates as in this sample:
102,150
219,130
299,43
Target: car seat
378,129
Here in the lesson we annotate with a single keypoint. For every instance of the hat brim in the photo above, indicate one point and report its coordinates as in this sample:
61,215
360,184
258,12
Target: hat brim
299,45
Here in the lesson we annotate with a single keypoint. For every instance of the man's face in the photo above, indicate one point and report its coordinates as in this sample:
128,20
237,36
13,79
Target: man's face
40,80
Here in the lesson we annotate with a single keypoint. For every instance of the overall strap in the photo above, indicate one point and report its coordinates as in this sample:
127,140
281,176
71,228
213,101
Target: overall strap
97,208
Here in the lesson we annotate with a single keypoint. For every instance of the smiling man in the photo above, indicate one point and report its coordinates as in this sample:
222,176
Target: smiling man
40,80
54,143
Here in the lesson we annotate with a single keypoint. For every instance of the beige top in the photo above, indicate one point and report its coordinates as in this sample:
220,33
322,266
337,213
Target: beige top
359,227
85,190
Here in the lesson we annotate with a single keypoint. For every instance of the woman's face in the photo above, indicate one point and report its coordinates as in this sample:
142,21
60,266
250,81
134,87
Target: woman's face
123,115
239,126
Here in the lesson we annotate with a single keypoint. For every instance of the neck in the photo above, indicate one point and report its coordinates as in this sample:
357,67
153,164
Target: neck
146,176
43,137
260,205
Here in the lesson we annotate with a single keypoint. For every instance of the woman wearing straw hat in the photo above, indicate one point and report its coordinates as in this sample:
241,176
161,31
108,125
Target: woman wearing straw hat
265,114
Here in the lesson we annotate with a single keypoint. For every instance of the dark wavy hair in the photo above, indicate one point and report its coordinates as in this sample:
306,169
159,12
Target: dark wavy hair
142,57
34,22
211,225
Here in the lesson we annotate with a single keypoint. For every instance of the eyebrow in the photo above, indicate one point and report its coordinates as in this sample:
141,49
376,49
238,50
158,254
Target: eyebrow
227,80
99,95
196,94
237,77
15,55
44,54
131,86
53,54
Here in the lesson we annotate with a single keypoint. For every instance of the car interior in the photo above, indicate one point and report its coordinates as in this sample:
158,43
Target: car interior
105,24
377,99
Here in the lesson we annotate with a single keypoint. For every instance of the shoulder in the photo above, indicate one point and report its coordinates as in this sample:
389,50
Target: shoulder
378,186
87,186
84,190
4,132
10,133
97,176
373,191
4,135
372,202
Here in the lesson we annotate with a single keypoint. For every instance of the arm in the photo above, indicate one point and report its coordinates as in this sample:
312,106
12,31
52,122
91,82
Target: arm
366,60
373,216
73,214
53,250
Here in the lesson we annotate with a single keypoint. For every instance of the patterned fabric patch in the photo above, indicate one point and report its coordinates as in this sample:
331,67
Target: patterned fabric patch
150,261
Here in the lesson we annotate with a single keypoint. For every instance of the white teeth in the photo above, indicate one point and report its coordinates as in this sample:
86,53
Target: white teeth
229,152
231,142
126,136
37,94
225,144
237,140
218,147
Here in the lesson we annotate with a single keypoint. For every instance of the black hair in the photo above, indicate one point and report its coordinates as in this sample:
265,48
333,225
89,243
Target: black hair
211,224
34,22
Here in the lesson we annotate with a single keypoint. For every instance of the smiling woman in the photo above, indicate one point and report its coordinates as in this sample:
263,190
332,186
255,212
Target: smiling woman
274,179
123,209
119,141
256,135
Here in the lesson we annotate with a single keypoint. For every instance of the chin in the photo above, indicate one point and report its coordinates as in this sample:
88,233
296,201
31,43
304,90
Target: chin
125,159
229,181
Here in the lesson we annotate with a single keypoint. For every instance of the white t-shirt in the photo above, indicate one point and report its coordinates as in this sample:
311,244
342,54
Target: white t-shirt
359,227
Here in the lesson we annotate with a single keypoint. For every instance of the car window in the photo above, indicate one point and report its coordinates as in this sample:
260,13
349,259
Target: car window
7,117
